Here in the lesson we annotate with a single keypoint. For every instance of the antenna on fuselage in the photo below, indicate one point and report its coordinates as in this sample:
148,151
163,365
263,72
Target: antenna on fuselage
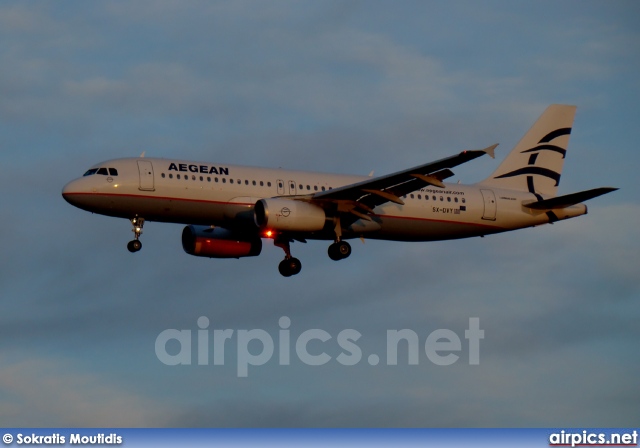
142,155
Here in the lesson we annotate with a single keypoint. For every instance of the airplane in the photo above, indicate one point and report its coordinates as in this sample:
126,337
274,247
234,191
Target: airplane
229,209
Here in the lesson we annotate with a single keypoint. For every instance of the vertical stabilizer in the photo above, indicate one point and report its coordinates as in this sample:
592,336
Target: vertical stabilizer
535,164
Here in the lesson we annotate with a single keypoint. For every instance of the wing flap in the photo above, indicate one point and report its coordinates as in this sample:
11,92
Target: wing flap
385,195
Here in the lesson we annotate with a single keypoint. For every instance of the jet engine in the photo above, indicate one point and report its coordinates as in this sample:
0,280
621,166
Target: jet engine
217,242
288,215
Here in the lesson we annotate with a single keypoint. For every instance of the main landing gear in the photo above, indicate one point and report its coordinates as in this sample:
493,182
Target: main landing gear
135,245
290,265
339,250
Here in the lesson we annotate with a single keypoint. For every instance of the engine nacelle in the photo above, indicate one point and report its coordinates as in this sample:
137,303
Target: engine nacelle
203,241
288,215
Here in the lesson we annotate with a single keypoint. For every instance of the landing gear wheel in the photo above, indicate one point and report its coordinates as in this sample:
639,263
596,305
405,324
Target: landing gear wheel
340,250
290,266
333,252
283,267
344,249
296,266
134,246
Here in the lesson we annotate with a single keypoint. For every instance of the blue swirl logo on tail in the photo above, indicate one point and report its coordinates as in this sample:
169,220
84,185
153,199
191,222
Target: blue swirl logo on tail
543,145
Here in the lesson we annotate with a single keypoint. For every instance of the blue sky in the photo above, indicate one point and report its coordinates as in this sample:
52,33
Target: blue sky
344,87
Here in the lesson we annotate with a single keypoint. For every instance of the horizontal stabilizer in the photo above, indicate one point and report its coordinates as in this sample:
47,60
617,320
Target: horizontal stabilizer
569,199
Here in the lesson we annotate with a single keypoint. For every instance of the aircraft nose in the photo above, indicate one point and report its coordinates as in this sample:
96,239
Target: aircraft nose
69,190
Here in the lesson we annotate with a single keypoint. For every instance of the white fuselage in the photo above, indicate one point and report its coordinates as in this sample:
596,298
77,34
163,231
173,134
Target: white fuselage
186,192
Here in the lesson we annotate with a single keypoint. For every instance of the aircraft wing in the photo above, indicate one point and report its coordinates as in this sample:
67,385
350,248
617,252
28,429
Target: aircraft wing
360,198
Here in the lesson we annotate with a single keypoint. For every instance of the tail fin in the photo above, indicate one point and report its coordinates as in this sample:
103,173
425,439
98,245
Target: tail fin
535,164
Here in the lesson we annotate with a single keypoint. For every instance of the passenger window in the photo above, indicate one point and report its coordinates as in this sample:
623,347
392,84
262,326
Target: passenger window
246,182
463,200
254,183
315,188
91,171
224,180
162,175
103,171
441,198
216,179
419,196
230,181
279,184
448,198
411,195
208,179
201,178
113,172
170,176
261,184
308,187
323,188
455,199
268,184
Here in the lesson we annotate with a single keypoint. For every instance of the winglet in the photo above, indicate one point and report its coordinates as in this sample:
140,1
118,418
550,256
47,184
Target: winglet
491,150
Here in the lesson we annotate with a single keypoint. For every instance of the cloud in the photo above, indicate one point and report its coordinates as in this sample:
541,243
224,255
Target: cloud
329,87
46,392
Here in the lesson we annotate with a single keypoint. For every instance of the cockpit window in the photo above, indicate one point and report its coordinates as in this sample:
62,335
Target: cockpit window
103,171
90,172
113,172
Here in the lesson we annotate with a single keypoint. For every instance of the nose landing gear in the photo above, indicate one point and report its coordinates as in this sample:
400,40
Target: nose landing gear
135,245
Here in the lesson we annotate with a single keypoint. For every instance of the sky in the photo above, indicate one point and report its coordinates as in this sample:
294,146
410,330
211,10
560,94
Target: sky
344,87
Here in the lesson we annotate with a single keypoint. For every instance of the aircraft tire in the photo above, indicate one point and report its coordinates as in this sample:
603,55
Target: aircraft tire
289,267
333,252
295,266
339,251
344,249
